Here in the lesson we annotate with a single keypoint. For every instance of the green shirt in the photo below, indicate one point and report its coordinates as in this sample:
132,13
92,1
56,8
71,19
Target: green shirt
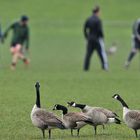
20,34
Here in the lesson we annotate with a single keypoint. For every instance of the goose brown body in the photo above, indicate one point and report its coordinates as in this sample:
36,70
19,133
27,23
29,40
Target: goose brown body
42,118
72,120
130,117
99,116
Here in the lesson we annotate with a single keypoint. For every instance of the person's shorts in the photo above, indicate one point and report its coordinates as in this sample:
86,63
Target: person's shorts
15,47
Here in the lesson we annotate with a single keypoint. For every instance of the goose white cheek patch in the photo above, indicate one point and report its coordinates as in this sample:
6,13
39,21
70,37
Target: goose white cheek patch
55,108
74,105
115,97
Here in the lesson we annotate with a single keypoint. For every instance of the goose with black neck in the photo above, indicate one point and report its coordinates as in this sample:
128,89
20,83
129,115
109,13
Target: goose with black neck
73,120
43,119
99,115
130,117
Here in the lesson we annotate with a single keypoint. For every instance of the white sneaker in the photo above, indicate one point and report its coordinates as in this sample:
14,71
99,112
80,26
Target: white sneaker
126,65
105,67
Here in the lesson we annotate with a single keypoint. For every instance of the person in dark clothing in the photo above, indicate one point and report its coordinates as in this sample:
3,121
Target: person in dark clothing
20,37
135,42
94,35
1,35
0,32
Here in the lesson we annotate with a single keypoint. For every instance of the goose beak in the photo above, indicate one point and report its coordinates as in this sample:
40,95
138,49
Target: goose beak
113,96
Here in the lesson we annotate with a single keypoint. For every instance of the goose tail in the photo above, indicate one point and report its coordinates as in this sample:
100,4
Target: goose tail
114,120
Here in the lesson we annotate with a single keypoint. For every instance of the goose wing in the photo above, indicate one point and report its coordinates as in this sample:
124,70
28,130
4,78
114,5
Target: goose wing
48,118
76,117
98,117
107,112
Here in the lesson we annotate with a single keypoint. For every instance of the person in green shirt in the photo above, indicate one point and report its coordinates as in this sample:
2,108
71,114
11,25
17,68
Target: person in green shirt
20,38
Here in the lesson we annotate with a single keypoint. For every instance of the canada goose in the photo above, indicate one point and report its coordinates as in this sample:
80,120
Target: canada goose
72,120
130,117
100,116
42,118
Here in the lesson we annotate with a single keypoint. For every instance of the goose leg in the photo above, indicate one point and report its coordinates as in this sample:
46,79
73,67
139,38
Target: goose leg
136,133
78,130
71,132
95,129
43,132
49,133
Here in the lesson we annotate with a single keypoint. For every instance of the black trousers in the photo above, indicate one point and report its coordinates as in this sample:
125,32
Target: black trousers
135,47
136,43
97,45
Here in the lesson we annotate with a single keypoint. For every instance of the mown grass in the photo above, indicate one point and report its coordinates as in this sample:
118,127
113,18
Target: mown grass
57,51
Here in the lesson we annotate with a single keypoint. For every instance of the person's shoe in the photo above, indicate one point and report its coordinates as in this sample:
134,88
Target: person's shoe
85,70
105,67
26,62
126,65
12,67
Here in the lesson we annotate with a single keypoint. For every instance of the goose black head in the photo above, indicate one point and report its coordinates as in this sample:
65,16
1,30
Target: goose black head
60,107
116,96
37,85
57,107
71,104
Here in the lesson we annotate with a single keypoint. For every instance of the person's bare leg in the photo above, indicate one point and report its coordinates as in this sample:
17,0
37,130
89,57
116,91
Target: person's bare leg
14,61
15,55
22,57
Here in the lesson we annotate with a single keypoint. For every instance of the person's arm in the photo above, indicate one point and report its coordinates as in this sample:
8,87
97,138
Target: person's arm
100,29
7,30
27,39
86,30
0,32
138,31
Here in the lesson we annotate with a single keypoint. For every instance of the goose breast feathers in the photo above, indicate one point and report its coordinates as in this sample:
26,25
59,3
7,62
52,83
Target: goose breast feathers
134,115
132,119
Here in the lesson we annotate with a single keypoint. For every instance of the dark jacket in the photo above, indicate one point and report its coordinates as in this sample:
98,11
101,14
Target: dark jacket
93,28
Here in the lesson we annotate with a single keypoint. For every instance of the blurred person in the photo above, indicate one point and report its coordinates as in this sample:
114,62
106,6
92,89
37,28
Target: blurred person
135,42
93,32
0,33
19,39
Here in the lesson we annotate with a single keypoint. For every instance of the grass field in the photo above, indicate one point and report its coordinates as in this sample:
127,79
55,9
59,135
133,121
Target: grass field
57,51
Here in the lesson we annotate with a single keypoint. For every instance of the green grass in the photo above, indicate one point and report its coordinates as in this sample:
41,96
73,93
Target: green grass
57,52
